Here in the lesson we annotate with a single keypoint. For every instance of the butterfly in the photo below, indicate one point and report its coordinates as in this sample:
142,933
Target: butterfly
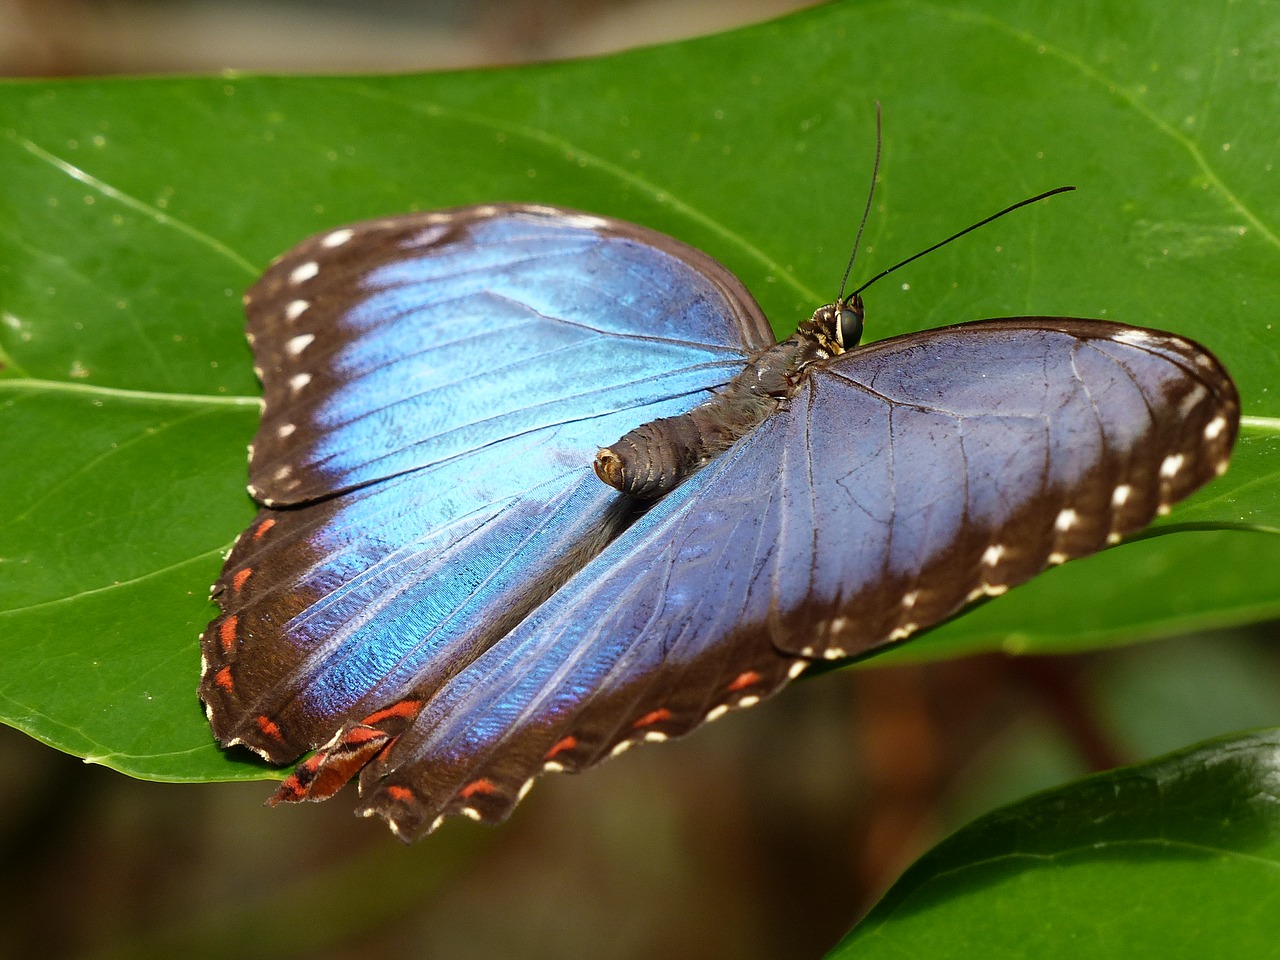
441,597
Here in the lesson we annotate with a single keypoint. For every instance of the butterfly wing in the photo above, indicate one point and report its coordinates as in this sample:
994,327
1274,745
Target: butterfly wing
435,389
904,480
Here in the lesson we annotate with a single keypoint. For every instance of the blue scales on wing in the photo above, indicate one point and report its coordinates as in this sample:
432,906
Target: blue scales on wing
435,387
904,480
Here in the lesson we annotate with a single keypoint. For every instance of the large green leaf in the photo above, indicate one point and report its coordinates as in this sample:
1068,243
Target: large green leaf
134,212
1174,858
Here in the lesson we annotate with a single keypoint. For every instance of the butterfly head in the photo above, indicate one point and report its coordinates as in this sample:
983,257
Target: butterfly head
838,326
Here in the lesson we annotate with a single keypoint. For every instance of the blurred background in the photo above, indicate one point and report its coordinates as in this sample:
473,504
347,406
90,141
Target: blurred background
766,835
70,37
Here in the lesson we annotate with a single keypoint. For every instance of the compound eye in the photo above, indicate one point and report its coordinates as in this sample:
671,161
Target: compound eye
848,327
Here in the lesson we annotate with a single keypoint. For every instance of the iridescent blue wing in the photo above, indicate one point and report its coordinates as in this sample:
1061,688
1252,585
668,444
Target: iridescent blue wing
906,479
435,389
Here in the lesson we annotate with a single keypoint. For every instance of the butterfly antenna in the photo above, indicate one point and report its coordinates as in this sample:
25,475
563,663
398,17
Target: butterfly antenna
956,236
866,211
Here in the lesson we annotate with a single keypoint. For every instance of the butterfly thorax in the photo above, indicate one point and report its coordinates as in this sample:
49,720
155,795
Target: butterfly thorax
654,458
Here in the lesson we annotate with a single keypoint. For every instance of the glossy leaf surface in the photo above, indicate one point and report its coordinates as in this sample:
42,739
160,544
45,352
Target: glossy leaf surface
1175,858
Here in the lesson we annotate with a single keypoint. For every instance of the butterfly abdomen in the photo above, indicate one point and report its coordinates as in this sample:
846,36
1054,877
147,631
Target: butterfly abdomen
652,460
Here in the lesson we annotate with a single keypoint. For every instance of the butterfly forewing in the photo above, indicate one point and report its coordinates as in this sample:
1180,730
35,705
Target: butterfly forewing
976,456
399,343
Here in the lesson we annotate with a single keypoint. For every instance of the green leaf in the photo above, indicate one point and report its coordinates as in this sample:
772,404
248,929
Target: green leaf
134,212
1174,858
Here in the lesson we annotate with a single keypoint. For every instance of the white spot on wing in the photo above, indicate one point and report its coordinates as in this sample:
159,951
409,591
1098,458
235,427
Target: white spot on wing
524,789
1056,558
295,309
285,430
1114,537
796,669
304,272
1215,427
1120,496
298,381
337,238
585,221
299,343
432,235
1066,520
655,736
622,747
909,599
1136,337
991,556
552,766
751,699
471,812
904,631
1192,399
1172,464
715,713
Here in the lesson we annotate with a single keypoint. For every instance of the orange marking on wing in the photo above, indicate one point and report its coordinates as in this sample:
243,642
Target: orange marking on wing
484,787
745,679
568,743
652,717
290,791
223,679
263,527
227,633
400,794
403,709
267,726
241,576
361,735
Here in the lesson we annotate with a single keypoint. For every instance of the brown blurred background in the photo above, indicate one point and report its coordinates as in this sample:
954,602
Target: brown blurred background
70,37
766,835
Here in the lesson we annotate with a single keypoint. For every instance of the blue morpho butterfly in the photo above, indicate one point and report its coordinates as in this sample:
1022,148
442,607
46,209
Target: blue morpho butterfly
441,595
